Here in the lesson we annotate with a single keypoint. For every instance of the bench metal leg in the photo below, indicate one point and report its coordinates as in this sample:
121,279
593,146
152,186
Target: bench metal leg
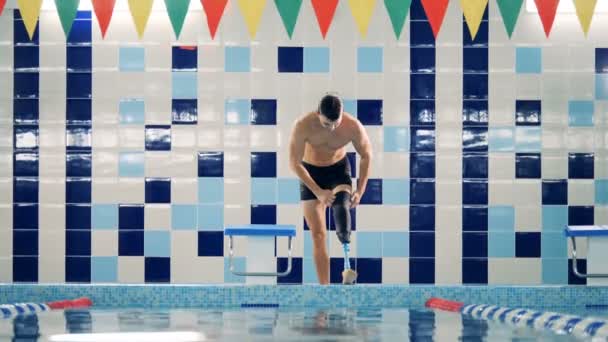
575,267
260,274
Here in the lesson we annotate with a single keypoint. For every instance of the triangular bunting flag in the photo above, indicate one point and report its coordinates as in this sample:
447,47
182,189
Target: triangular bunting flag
547,10
362,11
289,10
397,11
177,10
473,13
103,11
214,9
140,10
252,12
584,11
30,10
324,10
509,10
435,12
67,13
2,3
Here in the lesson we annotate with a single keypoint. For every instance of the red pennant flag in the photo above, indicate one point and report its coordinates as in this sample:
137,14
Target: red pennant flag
2,3
214,9
547,10
435,12
324,10
103,11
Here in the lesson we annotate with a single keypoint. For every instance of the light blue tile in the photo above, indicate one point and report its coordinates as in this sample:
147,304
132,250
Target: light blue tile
104,269
555,218
211,217
157,243
237,59
350,106
555,271
316,59
369,244
395,244
528,139
289,190
501,244
501,139
501,219
309,271
263,190
132,58
396,139
601,86
528,60
601,191
239,265
185,85
580,113
395,191
104,216
237,111
554,245
183,216
131,164
210,190
132,111
369,59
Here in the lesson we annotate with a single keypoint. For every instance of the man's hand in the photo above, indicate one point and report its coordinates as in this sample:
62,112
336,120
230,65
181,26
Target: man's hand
326,197
355,198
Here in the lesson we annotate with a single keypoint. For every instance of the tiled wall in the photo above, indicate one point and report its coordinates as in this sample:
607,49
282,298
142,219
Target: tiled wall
122,160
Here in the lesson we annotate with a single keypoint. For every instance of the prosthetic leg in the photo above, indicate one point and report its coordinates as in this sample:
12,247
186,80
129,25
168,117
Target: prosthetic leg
341,211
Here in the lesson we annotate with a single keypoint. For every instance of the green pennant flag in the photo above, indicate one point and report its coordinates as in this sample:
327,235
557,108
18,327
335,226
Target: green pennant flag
177,10
509,9
397,11
67,13
289,10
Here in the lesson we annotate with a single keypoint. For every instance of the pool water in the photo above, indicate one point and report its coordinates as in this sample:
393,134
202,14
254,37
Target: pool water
263,324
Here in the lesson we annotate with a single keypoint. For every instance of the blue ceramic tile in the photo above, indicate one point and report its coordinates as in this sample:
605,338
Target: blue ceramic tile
79,111
481,39
580,165
336,266
501,139
350,106
422,60
132,111
84,15
581,266
422,191
474,219
211,190
263,164
580,215
528,165
290,59
369,59
555,218
422,165
474,165
210,217
475,139
601,86
26,111
131,164
26,85
26,137
237,59
475,271
555,271
369,112
20,35
316,59
211,164
395,191
422,217
295,276
79,138
239,264
475,112
422,270
184,112
78,190
422,86
369,245
396,244
601,191
396,139
78,164
25,164
131,58
264,191
528,112
289,191
78,243
501,219
25,268
211,243
81,32
554,245
421,34
104,269
580,113
475,192
104,216
158,190
373,192
475,86
184,58
131,243
25,242
417,12
501,244
475,60
26,58
185,85
369,270
422,244
475,244
527,244
237,111
528,139
157,243
263,214
528,60
78,269
131,217
422,139
78,217
601,60
79,58
422,112
263,112
25,216
25,190
157,270
184,217
79,85
158,138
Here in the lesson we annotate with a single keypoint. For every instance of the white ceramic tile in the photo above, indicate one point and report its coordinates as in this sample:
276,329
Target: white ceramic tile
105,163
601,165
528,192
156,163
581,192
6,211
448,272
501,192
263,138
211,57
291,214
237,85
448,219
184,163
131,269
501,57
6,136
105,190
184,245
528,87
580,139
601,215
157,217
448,192
51,217
396,165
237,164
448,166
449,139
554,138
237,191
184,190
158,108
527,218
382,218
183,136
6,163
6,270
210,137
448,246
448,59
51,190
395,271
370,85
554,82
104,243
51,269
158,29
55,108
236,137
554,164
132,190
158,57
6,242
6,191
132,137
555,110
501,166
51,244
52,136
511,271
181,270
581,85
501,99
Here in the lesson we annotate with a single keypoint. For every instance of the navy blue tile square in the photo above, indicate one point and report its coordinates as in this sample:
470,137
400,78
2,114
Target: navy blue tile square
79,85
25,216
84,15
25,242
211,164
25,164
528,165
580,215
528,112
78,190
527,244
264,164
131,243
422,139
81,33
158,138
369,112
475,271
211,243
79,138
184,112
26,85
475,86
78,269
422,191
373,192
555,191
26,58
481,39
291,59
601,60
422,60
296,274
263,112
20,35
475,112
263,214
421,34
26,111
184,58
77,216
475,165
336,266
581,266
422,271
327,220
580,165
131,216
474,244
475,60
475,139
158,190
474,219
422,113
417,11
78,243
79,58
422,165
79,111
422,217
157,270
352,159
25,190
369,270
475,192
25,269
78,164
332,222
422,244
422,86
26,137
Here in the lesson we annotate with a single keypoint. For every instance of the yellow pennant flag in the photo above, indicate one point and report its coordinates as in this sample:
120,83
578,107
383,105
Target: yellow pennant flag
584,11
473,13
252,12
140,10
362,11
30,11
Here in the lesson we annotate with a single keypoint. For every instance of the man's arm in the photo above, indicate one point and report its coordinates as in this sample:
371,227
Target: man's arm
297,142
364,148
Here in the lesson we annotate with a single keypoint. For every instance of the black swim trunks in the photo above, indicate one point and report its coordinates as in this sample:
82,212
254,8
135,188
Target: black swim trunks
326,177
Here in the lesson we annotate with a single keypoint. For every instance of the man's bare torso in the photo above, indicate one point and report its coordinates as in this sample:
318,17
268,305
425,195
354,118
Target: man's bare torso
324,147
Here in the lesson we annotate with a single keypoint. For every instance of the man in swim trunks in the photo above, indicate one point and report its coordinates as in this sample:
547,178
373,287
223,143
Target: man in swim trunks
317,151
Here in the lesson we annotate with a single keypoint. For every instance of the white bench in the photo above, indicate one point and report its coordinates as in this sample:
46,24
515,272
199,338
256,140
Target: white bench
597,252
